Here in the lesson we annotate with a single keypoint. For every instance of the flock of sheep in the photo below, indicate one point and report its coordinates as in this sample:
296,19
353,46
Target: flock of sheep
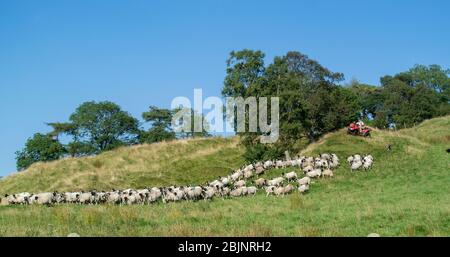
246,181
357,162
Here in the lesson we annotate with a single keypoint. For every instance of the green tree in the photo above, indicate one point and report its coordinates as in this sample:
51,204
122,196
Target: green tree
369,98
410,97
189,127
39,148
311,102
103,126
161,130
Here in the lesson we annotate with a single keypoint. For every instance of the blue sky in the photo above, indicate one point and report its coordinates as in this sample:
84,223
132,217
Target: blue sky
57,54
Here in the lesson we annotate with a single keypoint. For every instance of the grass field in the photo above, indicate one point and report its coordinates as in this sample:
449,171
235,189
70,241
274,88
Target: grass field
407,193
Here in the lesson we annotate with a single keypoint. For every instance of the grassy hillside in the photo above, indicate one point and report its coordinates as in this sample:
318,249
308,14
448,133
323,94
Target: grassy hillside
178,162
406,193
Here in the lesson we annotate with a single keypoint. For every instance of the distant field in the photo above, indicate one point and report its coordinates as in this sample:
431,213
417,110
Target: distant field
407,192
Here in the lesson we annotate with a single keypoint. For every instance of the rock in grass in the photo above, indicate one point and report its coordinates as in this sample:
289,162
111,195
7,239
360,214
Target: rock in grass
73,235
373,235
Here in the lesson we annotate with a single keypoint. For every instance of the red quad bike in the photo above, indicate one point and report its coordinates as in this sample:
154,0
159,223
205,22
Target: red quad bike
354,130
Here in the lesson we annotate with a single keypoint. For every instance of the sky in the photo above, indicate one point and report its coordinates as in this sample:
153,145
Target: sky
55,55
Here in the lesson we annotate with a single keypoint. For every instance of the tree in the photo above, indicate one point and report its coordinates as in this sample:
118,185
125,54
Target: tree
189,127
244,68
103,126
311,102
432,76
161,130
410,97
369,98
39,148
61,128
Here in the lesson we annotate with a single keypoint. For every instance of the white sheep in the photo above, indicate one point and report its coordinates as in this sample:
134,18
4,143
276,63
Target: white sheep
251,190
236,176
208,193
268,164
304,181
303,188
237,192
44,198
308,168
327,173
275,181
290,176
288,189
279,191
270,190
248,174
260,182
314,173
356,165
239,183
259,170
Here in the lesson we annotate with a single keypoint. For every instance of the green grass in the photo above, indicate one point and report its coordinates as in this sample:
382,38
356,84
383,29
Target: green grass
407,193
179,162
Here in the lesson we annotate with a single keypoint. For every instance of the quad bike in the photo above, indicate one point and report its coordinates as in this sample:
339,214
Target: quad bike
355,130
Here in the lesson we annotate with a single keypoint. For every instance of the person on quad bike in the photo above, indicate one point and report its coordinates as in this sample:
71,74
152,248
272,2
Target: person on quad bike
361,126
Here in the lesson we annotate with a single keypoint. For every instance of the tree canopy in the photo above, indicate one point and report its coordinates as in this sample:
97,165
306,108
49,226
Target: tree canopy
311,102
39,148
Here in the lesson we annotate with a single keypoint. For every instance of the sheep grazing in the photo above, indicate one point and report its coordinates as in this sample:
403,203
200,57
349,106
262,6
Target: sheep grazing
259,170
275,181
280,164
236,176
279,191
334,161
43,198
268,164
303,188
316,173
225,181
356,165
111,197
239,183
248,174
350,160
327,173
357,161
86,197
367,163
308,168
10,199
208,193
291,176
288,189
236,192
252,190
304,181
233,185
270,190
21,198
260,182
71,197
325,156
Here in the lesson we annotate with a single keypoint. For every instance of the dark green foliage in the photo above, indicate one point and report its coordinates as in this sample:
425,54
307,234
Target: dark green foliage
311,103
407,98
104,126
39,148
78,149
189,128
161,130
